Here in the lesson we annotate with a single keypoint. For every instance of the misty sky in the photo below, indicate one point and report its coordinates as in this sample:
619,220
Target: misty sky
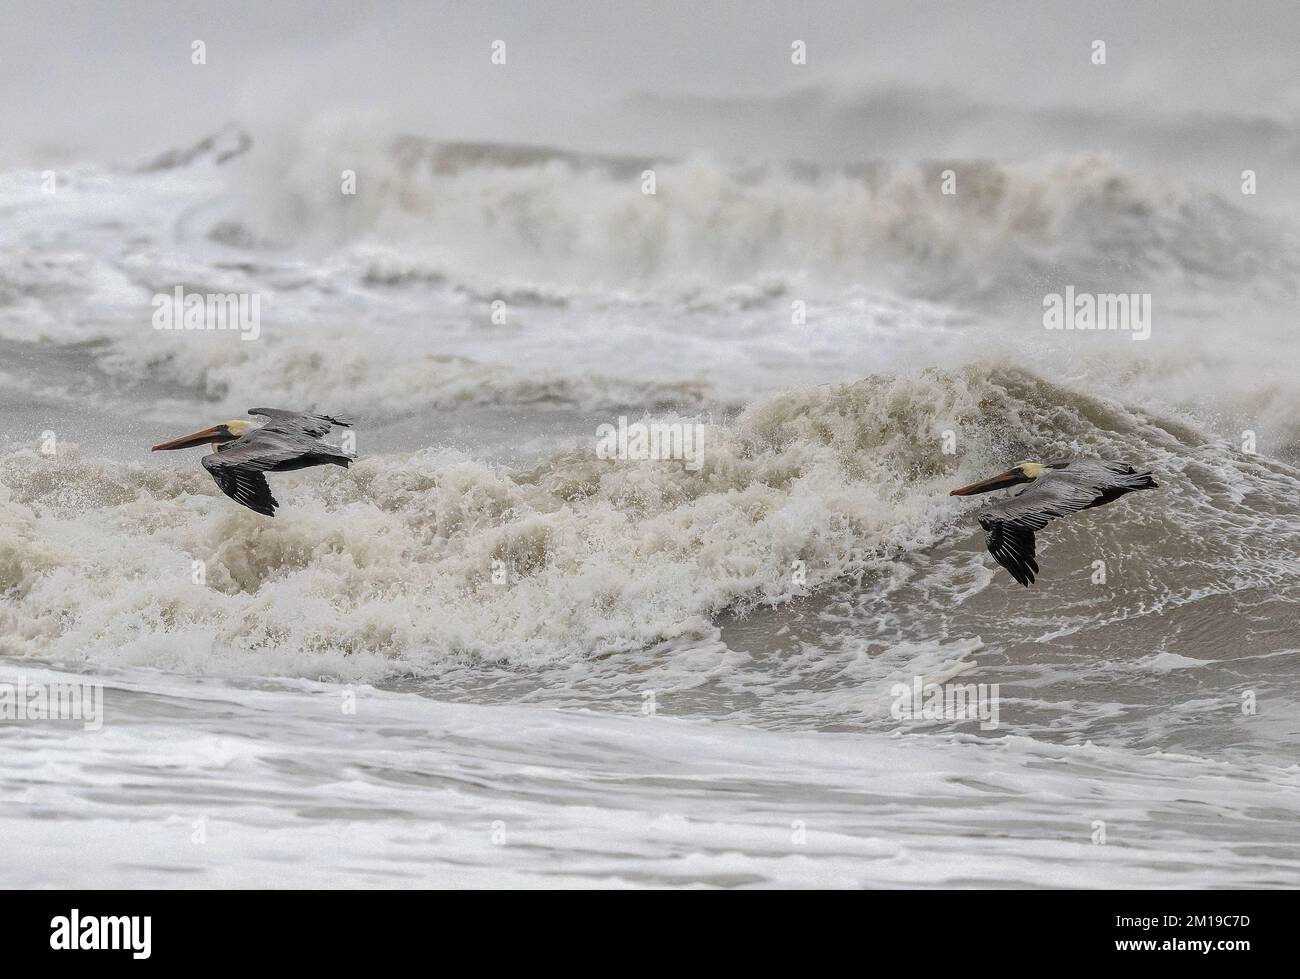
117,76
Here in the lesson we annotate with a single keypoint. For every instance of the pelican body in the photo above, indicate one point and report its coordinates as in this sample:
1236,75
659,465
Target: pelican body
1059,488
242,454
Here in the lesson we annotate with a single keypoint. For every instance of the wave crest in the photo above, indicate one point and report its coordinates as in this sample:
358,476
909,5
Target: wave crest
447,209
413,563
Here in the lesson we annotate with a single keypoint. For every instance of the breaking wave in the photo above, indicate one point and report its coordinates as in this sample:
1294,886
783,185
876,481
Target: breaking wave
411,564
428,210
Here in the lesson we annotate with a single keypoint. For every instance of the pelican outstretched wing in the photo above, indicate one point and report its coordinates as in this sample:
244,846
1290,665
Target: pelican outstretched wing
297,421
1012,546
243,483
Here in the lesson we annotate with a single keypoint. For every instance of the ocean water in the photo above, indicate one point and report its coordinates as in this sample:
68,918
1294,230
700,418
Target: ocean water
486,656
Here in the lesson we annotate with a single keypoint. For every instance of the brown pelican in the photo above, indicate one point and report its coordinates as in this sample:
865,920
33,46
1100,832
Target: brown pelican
289,441
1059,488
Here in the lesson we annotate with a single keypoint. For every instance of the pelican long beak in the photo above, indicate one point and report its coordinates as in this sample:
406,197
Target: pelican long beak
217,433
1009,478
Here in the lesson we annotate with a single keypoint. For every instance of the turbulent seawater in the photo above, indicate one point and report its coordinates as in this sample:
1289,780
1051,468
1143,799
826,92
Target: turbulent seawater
486,656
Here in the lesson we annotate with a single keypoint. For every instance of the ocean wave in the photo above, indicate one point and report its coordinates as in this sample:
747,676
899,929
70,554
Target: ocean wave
413,563
369,378
454,210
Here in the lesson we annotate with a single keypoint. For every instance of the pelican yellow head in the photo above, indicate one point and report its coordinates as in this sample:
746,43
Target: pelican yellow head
1031,469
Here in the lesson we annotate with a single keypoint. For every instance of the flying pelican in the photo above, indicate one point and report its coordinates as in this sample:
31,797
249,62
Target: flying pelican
290,440
1059,488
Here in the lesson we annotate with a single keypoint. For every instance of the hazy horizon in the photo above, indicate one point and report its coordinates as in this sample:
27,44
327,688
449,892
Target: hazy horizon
118,80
